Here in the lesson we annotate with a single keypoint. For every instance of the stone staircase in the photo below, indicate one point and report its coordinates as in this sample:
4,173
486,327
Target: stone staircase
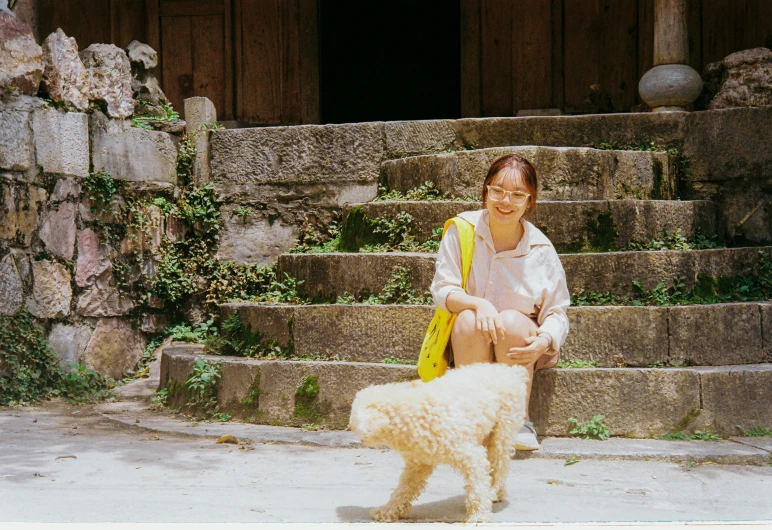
655,369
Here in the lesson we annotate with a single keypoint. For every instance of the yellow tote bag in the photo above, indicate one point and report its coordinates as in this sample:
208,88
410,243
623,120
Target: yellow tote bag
432,362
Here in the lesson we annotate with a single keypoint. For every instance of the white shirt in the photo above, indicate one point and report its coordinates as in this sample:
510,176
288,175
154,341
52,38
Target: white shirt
529,279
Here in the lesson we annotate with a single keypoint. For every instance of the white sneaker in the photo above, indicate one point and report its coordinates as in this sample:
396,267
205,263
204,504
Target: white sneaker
526,438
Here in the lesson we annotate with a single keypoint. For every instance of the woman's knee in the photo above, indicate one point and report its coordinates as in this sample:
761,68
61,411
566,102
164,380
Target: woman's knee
516,324
465,322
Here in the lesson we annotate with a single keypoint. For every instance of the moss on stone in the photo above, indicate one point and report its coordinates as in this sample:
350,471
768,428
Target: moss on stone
306,393
253,398
688,419
358,231
602,230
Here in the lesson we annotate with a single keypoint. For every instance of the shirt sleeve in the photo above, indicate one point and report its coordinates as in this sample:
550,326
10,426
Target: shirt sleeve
447,275
552,316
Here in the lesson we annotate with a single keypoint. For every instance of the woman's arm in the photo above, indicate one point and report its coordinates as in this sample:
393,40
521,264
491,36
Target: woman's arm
552,318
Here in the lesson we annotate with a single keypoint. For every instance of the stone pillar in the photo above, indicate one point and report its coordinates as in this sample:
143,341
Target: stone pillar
200,115
672,85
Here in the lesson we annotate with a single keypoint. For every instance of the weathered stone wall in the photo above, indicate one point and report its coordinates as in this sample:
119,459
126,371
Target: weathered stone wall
59,250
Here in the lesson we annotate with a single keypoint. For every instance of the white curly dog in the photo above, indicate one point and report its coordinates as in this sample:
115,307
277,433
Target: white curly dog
468,419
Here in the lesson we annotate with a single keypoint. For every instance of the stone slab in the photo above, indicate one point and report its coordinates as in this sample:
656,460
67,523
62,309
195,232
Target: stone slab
11,287
599,272
718,334
114,348
761,442
256,238
361,332
61,142
564,173
719,452
70,342
624,396
58,230
242,159
52,290
131,153
617,336
104,302
736,395
16,140
766,330
20,206
572,225
275,322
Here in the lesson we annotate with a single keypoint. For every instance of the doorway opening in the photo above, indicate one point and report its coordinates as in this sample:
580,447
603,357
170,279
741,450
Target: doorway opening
389,60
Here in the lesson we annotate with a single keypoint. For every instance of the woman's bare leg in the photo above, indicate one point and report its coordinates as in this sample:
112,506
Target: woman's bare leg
517,327
469,344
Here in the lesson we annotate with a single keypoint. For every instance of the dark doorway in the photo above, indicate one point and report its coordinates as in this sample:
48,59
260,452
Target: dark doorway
390,60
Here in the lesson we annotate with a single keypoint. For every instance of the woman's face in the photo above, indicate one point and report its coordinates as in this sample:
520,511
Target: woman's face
507,210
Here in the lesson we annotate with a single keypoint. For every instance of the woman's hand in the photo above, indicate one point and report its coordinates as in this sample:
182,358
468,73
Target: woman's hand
488,321
535,347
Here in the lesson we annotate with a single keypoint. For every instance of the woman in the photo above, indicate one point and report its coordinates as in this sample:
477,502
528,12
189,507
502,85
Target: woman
514,308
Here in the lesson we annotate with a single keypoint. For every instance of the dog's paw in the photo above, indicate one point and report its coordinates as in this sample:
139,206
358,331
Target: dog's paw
480,517
388,514
501,495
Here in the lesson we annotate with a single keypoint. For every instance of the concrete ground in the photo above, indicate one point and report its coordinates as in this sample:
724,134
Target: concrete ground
74,464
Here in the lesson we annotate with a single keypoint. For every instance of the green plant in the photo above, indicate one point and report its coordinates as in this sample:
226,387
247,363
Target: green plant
244,212
756,431
576,363
673,241
396,360
100,188
592,429
706,436
202,385
30,371
160,399
144,122
571,461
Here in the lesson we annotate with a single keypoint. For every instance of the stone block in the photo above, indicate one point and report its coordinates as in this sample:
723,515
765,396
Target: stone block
114,348
21,58
329,155
636,403
70,342
61,142
274,322
104,302
407,173
19,210
65,189
237,390
733,395
256,238
405,138
613,336
64,76
199,114
154,323
109,77
58,230
329,275
130,153
766,330
646,220
362,333
717,334
11,287
51,291
663,128
16,140
93,266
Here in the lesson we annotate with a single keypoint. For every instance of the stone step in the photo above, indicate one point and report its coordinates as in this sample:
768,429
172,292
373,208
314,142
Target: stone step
741,333
326,276
570,225
635,402
564,173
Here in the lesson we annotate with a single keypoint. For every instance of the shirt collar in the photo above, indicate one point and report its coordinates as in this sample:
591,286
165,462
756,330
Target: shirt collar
532,236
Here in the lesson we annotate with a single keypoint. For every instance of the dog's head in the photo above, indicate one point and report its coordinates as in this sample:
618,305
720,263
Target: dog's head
369,416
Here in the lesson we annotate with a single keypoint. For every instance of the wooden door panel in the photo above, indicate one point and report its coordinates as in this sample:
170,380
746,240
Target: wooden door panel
496,52
532,55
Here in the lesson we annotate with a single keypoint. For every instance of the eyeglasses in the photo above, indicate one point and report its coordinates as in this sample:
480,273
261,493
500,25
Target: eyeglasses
515,197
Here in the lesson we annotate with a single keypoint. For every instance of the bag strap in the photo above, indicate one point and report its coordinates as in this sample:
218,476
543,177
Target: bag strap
466,238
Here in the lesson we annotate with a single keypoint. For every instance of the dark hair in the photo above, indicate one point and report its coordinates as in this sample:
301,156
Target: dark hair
523,167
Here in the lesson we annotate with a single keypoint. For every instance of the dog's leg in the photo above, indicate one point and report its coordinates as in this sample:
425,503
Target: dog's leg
473,463
500,444
411,484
